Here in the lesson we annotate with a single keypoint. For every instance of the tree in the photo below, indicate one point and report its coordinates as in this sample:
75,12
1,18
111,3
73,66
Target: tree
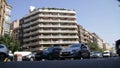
10,43
94,47
118,1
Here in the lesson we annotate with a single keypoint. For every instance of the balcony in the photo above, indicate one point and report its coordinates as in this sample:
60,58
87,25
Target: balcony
31,44
31,28
31,33
30,23
31,17
57,25
50,42
50,31
58,36
57,11
68,26
48,37
31,38
57,31
56,16
50,20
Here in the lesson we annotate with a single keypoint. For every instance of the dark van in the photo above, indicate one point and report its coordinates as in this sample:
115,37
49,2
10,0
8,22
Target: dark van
118,47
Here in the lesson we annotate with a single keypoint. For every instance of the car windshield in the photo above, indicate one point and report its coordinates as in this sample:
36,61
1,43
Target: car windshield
84,47
74,45
49,49
96,52
105,52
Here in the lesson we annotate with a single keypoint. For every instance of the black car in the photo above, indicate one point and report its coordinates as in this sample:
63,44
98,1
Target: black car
118,47
76,51
49,53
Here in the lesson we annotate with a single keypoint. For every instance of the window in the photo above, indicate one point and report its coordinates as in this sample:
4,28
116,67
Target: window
8,11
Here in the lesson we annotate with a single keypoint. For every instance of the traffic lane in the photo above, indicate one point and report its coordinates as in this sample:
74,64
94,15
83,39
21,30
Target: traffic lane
86,63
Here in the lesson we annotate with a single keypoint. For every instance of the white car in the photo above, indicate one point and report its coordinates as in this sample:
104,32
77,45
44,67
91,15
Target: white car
29,57
19,55
106,54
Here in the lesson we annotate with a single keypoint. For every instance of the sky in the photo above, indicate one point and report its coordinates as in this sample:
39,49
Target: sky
99,16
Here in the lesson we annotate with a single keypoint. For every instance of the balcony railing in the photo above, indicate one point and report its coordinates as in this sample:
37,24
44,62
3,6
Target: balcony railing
49,37
30,23
43,20
50,42
56,16
50,31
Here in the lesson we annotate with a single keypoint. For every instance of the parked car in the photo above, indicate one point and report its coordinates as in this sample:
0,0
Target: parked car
3,52
106,53
11,56
19,55
29,57
49,53
95,54
76,51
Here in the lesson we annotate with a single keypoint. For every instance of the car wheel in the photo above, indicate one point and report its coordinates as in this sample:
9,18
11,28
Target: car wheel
9,60
31,59
79,56
85,55
62,58
119,55
50,57
2,57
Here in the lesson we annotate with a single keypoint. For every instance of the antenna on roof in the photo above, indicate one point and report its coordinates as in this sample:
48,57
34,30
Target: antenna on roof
32,8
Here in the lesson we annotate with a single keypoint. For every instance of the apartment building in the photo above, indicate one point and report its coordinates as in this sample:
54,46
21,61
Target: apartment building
84,35
5,14
45,27
14,29
98,40
106,46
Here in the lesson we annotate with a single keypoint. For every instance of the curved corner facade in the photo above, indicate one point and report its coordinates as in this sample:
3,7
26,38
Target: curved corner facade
45,27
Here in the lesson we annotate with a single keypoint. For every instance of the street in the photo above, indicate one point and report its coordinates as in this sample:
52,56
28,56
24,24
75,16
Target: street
113,62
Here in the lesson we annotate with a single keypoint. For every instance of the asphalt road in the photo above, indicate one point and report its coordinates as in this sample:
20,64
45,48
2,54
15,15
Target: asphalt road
113,62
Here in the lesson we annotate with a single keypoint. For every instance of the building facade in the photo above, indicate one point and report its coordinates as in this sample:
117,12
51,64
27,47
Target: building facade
107,47
84,35
45,27
5,14
14,29
98,40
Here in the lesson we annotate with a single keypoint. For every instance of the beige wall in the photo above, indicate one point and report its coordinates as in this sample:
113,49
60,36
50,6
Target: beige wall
3,5
14,28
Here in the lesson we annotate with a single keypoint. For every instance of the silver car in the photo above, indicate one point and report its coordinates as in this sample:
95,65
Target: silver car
95,54
3,52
